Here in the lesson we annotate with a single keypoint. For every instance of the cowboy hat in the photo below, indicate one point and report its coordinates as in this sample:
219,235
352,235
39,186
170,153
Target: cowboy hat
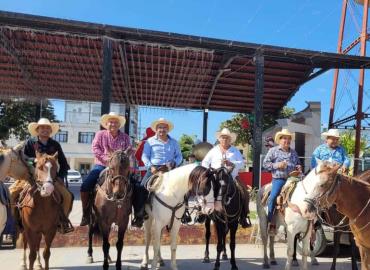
283,132
331,133
226,132
112,115
32,127
162,121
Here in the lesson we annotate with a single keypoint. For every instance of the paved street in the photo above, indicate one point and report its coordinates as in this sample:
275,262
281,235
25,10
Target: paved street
189,257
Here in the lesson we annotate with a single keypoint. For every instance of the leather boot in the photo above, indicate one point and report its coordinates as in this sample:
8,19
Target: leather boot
85,200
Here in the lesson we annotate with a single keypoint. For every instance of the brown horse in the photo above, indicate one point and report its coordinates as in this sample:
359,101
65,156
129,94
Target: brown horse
35,202
351,196
112,204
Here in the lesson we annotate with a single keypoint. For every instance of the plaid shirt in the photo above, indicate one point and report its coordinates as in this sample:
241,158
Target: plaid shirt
277,154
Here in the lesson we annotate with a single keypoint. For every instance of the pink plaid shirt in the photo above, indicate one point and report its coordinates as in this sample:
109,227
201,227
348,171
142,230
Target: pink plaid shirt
104,143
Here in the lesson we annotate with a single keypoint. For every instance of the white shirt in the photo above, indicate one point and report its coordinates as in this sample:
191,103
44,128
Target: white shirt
214,158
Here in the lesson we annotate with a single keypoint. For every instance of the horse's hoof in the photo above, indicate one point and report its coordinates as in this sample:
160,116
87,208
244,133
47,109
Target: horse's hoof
295,263
224,257
89,259
206,260
265,266
161,263
314,261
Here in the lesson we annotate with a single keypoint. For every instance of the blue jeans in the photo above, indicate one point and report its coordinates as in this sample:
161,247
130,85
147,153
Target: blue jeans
147,175
90,181
277,185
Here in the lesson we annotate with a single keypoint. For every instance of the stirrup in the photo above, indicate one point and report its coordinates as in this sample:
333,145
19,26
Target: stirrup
137,222
186,218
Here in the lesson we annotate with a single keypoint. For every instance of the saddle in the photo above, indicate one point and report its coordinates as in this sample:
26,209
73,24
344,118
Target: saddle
26,198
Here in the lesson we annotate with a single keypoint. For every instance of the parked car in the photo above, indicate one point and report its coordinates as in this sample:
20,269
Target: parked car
74,176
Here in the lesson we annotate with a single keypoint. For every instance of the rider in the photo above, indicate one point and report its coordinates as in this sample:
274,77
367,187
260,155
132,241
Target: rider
41,141
281,160
159,150
224,154
105,142
149,132
331,151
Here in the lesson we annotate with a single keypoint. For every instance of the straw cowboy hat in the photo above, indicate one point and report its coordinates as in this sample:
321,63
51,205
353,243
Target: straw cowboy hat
330,133
32,127
162,121
226,132
283,132
112,115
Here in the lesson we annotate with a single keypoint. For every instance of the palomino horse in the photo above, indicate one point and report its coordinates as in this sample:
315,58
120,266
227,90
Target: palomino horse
351,196
37,200
295,221
167,207
112,204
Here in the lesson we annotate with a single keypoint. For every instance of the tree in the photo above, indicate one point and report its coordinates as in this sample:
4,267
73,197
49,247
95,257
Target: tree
348,140
15,115
186,145
242,124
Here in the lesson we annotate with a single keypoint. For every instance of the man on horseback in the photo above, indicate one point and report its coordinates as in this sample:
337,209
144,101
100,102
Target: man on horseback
281,160
160,151
331,151
41,142
105,143
226,155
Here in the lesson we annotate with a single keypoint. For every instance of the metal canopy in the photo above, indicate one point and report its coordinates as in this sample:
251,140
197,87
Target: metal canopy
44,57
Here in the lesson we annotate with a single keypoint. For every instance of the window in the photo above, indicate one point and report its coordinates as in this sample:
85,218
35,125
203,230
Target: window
61,136
86,137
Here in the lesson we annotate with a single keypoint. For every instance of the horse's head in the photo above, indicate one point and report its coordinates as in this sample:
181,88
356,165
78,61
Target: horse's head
46,172
322,182
119,168
12,163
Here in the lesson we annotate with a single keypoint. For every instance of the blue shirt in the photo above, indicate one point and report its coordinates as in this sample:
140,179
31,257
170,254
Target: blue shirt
157,152
324,152
277,154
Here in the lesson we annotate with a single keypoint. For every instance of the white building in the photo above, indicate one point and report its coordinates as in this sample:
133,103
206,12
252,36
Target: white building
306,125
79,128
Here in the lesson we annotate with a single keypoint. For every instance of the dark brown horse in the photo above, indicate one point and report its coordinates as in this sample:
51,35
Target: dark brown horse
35,202
352,197
112,204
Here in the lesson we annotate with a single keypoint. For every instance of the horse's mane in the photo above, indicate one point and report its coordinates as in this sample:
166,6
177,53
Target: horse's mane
357,179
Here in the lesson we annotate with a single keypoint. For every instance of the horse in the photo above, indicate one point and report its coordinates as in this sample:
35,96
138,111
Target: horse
35,201
295,221
330,188
167,206
112,204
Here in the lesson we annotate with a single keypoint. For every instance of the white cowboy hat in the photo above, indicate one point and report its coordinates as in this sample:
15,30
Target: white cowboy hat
112,115
331,133
226,132
32,127
283,132
161,121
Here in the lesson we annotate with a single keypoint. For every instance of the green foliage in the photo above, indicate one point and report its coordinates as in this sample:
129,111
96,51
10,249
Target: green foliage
186,144
15,115
347,140
245,134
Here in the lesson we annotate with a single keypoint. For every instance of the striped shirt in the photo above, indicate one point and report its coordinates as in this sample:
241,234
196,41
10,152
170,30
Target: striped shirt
104,144
277,154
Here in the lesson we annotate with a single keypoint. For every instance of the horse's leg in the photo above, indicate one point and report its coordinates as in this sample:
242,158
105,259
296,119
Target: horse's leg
335,250
33,242
174,231
148,236
89,258
119,246
353,252
272,250
106,245
160,259
306,250
22,237
290,249
294,260
220,231
233,228
38,259
48,240
207,226
224,254
157,228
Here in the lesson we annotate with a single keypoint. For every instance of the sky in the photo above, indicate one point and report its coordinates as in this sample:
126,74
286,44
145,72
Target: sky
305,24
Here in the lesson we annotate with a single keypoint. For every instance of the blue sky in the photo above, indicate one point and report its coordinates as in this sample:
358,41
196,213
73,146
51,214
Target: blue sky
306,24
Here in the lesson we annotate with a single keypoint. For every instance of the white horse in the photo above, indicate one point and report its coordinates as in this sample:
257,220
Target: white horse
171,191
296,221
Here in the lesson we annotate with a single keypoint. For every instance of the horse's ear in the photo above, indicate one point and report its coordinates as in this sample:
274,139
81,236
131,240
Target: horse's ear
55,156
129,151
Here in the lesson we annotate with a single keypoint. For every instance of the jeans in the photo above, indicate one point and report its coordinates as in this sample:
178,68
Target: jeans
277,185
90,181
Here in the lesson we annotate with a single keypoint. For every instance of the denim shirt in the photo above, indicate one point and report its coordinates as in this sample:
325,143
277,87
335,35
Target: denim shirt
277,154
324,152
